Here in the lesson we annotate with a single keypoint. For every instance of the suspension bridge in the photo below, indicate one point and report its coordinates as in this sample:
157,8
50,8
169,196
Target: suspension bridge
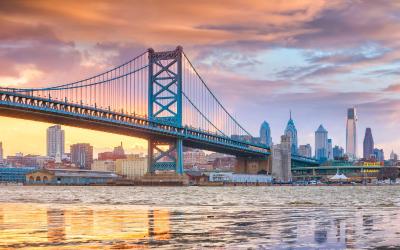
158,96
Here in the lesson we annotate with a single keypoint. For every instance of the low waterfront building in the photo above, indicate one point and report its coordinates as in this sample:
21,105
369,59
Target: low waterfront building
70,177
107,165
239,178
365,172
133,167
15,175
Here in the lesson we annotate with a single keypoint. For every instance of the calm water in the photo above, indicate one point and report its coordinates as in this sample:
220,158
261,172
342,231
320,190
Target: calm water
200,217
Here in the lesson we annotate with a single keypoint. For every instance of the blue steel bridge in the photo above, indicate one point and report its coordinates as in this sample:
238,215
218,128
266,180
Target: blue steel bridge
158,96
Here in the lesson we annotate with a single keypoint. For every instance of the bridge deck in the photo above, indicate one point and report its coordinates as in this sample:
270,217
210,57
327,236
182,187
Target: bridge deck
53,111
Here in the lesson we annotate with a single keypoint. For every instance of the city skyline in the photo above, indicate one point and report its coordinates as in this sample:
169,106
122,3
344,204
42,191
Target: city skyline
269,70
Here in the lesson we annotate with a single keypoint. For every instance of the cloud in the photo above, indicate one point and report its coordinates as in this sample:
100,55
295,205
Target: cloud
394,88
348,51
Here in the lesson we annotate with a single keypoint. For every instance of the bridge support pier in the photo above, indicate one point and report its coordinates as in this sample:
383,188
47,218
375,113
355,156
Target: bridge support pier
165,155
248,165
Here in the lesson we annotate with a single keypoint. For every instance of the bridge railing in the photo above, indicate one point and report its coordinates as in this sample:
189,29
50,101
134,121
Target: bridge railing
125,90
143,121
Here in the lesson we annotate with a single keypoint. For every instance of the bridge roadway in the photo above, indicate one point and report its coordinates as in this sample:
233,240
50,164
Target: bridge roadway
61,112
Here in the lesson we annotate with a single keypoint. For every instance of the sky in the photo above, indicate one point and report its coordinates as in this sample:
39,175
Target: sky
314,57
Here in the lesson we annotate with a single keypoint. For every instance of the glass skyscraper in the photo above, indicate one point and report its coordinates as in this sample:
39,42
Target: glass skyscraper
291,131
368,144
265,134
351,133
321,143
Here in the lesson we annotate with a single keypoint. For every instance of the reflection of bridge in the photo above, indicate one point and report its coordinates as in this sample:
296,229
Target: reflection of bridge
158,96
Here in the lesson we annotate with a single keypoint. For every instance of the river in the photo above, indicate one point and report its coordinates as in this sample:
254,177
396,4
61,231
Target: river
300,217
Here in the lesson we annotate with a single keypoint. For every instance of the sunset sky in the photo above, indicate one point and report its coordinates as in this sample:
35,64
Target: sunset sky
261,59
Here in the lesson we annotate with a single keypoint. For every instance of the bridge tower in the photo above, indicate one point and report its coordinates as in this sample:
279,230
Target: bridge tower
165,106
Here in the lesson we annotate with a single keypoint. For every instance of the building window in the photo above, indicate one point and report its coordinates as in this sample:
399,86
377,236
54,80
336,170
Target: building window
38,179
31,179
45,179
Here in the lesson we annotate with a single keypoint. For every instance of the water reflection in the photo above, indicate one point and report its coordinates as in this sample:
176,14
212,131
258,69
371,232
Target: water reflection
49,226
41,226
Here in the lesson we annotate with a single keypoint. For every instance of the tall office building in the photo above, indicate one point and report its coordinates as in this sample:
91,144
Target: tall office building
291,131
1,151
379,154
337,152
305,150
351,133
265,134
82,155
368,144
330,150
55,142
321,143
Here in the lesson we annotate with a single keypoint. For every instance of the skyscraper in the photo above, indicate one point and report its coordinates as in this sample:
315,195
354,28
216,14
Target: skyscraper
265,134
338,152
55,141
351,133
330,150
321,143
291,131
82,155
379,154
368,144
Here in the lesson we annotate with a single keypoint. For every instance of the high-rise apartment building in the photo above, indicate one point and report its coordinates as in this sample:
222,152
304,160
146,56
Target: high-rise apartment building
368,144
265,134
321,143
82,155
55,142
351,133
291,131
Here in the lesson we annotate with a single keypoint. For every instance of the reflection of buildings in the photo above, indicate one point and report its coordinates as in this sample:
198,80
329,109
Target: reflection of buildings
55,225
321,232
80,225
